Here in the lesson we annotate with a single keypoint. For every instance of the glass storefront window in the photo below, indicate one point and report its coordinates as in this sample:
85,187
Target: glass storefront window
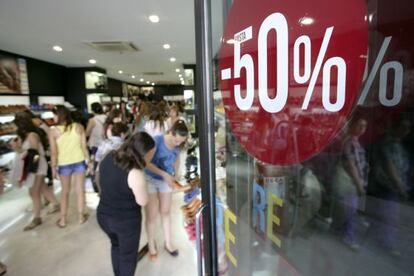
314,153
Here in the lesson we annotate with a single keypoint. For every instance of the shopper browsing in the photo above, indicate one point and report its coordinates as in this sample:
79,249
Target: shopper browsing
115,116
36,166
123,192
68,156
160,177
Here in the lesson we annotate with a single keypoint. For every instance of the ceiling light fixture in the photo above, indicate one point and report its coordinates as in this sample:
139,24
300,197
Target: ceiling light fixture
148,82
154,18
141,80
172,59
166,46
230,41
152,84
92,61
120,71
180,75
182,82
133,76
57,48
177,70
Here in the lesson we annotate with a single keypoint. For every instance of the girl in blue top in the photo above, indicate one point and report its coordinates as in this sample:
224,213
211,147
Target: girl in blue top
160,178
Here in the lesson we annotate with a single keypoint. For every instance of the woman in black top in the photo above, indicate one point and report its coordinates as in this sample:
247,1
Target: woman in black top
123,192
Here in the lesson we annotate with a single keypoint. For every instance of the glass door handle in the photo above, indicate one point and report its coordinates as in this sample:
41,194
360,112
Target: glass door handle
199,239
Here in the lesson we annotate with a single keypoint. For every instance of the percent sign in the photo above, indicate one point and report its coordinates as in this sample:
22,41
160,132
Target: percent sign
278,23
398,78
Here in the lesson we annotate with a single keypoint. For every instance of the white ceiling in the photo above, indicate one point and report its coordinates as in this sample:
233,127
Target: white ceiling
33,27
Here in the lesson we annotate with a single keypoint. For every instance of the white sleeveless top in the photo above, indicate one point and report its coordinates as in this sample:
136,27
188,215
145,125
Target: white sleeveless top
42,169
98,132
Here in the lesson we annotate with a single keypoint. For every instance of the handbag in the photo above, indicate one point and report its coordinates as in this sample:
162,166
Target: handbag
31,162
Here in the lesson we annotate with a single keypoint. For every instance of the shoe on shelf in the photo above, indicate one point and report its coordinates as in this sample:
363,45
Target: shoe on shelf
33,224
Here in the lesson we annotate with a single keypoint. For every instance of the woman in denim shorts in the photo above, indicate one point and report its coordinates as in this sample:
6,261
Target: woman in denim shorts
160,177
69,156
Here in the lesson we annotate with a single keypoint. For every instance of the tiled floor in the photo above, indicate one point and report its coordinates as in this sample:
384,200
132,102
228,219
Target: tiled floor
77,249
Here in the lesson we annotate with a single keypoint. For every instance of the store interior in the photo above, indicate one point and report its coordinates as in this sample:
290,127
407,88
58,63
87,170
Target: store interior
75,54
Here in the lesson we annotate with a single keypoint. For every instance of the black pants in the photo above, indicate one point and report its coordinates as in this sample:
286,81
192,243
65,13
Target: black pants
124,235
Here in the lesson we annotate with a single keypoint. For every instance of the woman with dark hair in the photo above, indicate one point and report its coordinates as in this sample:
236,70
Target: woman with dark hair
160,177
123,192
115,116
95,134
95,129
69,154
34,140
156,124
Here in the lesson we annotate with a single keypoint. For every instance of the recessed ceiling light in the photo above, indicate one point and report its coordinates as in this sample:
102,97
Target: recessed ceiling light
133,76
172,59
152,84
120,71
148,82
177,70
180,75
141,80
306,20
154,18
166,46
57,48
92,61
182,82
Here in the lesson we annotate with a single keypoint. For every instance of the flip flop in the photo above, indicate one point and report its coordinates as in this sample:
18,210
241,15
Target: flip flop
84,218
60,225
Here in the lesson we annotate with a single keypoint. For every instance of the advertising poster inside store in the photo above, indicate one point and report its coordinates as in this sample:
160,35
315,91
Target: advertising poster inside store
13,75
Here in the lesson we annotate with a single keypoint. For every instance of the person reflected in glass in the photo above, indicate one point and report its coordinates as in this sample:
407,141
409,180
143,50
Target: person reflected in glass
123,193
391,167
350,182
160,177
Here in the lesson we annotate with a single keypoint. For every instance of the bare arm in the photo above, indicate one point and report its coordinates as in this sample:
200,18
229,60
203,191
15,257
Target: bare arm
138,185
53,151
33,141
166,176
351,169
84,146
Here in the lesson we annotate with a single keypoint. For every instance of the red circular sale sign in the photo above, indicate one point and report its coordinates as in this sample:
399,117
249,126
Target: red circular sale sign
290,73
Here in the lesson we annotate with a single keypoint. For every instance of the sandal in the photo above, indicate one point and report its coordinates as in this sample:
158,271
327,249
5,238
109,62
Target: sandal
58,224
3,269
33,224
55,208
84,218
